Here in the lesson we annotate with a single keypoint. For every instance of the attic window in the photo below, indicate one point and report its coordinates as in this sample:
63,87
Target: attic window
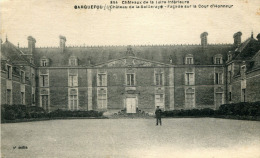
218,59
44,62
189,59
73,61
229,57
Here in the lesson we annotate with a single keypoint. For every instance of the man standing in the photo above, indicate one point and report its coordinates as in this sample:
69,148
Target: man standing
158,112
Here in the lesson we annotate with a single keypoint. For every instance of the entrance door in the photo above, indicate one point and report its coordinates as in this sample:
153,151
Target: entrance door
130,105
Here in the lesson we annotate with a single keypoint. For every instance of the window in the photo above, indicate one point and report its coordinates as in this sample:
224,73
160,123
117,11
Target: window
73,102
230,96
190,98
159,79
9,72
44,62
218,61
229,76
102,99
73,80
33,98
22,98
73,61
45,102
102,80
33,80
22,77
218,99
243,96
130,79
229,57
159,100
8,96
243,72
218,78
189,79
44,80
189,60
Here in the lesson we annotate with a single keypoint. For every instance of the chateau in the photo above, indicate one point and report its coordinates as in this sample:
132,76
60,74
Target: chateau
112,78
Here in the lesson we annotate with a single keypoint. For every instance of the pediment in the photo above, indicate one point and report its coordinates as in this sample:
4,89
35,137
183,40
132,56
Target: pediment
131,62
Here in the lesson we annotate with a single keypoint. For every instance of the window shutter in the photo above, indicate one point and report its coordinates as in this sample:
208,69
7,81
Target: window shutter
220,78
191,79
186,78
104,81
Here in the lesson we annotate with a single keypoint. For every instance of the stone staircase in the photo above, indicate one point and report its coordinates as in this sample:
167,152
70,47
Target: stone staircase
123,115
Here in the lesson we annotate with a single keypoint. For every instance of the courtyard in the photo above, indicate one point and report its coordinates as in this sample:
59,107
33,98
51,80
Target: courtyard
112,138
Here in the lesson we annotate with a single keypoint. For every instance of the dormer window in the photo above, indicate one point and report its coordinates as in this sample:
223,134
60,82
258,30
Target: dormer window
218,59
189,59
73,61
44,62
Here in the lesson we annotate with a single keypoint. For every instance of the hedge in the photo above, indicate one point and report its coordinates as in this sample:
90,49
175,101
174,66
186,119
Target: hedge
239,110
13,112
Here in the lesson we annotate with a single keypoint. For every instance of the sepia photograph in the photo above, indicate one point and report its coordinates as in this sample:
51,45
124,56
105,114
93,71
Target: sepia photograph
130,78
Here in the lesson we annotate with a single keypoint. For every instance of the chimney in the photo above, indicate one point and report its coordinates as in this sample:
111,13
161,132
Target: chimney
237,38
258,37
62,43
31,44
203,38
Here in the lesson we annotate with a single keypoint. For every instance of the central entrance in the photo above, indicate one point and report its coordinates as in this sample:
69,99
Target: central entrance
130,105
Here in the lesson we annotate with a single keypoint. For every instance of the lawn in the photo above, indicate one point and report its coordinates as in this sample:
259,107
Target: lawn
112,138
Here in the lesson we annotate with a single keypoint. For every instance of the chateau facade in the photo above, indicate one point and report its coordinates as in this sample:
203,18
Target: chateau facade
131,77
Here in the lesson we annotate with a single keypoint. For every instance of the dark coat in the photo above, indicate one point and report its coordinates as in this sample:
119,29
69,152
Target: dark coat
158,113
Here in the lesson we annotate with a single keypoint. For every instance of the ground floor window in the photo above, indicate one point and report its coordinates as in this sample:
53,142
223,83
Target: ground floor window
159,100
8,96
190,98
73,102
219,99
102,99
45,102
243,95
22,98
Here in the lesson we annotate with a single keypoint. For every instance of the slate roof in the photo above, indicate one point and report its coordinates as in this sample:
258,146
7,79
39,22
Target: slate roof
89,56
12,53
247,49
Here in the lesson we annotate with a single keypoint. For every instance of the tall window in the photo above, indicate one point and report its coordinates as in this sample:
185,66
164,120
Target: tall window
9,72
218,78
102,80
22,77
230,96
45,102
159,79
73,80
44,62
102,99
189,79
229,76
44,80
73,102
33,80
8,96
22,98
159,100
243,96
189,60
130,80
190,98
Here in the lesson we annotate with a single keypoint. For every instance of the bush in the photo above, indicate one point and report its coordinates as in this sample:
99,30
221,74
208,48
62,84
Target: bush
10,115
66,113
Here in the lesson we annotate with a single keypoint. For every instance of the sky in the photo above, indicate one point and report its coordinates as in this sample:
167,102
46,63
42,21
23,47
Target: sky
45,20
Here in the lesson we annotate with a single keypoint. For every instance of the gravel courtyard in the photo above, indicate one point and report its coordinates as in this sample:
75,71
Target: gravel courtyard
109,138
